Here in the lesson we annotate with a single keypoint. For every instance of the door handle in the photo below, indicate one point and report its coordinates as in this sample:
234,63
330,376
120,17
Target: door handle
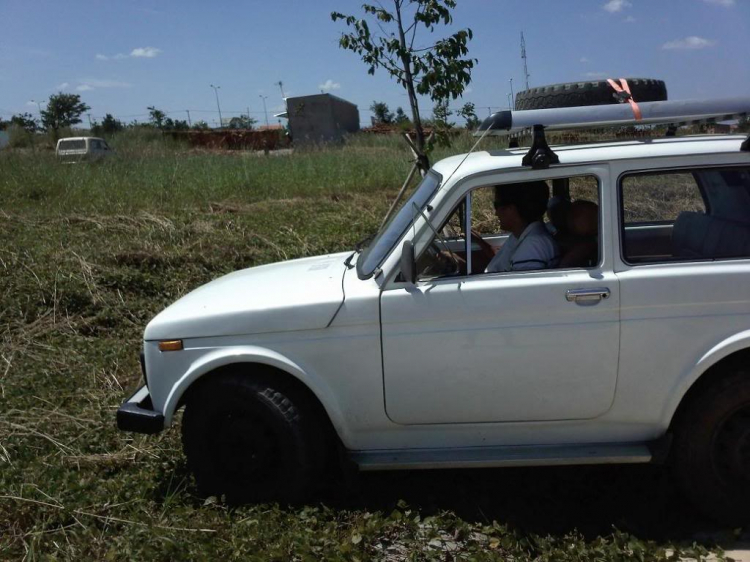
587,295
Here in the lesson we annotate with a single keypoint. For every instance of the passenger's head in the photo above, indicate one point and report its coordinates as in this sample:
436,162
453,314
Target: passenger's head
520,203
583,218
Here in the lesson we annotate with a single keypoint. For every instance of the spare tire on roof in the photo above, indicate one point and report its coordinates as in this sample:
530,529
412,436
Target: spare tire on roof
575,94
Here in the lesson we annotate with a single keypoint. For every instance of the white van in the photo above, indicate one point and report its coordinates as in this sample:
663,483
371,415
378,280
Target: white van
76,149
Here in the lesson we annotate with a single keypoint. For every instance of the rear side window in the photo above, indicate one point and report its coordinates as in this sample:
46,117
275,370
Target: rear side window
73,145
697,214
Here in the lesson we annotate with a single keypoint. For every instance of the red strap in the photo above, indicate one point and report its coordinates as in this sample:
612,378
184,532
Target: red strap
626,89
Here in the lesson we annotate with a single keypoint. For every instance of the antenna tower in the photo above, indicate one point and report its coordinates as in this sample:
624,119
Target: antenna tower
523,56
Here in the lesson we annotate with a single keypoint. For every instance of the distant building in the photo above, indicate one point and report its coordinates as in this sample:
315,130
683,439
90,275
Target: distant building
320,118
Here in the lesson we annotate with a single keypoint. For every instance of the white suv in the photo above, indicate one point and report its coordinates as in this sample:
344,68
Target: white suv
406,354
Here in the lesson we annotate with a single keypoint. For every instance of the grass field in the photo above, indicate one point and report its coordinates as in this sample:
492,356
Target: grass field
91,252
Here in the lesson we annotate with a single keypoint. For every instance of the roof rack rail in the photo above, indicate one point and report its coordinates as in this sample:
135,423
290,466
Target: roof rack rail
685,112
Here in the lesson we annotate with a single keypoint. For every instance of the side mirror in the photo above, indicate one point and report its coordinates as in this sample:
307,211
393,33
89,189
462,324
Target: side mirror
408,262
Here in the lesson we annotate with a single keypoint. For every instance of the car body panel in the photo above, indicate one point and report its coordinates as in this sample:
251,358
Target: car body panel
301,294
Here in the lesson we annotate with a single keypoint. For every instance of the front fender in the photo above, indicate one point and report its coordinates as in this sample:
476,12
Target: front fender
717,353
255,355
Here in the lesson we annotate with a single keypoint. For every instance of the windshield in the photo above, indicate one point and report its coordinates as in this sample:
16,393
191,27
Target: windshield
394,229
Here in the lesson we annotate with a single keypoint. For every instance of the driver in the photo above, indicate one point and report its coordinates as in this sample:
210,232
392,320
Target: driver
520,208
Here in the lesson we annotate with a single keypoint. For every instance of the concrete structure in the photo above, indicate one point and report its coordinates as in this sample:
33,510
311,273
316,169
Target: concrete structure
320,118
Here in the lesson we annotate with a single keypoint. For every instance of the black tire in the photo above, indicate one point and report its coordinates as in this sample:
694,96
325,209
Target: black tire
711,454
252,438
575,94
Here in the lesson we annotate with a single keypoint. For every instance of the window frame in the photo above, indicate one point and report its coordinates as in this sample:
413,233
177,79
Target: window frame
662,171
468,196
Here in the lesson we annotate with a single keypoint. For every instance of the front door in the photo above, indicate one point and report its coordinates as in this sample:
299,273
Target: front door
503,347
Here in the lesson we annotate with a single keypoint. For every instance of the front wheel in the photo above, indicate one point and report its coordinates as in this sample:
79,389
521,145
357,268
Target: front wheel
712,449
251,439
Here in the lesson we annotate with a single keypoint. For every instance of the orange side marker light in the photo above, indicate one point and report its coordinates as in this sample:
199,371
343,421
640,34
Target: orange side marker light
170,345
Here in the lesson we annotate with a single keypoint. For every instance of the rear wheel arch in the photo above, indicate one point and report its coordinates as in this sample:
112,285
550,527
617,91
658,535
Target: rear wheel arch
724,368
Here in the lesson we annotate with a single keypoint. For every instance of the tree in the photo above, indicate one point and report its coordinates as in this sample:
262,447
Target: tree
401,118
381,113
110,125
242,122
156,117
25,121
200,126
744,125
468,112
63,110
440,114
439,70
179,125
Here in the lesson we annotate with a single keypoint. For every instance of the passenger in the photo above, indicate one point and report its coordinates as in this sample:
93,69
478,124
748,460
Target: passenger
580,247
520,208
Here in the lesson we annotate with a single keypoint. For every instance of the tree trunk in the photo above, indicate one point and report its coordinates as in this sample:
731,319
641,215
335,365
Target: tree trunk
423,163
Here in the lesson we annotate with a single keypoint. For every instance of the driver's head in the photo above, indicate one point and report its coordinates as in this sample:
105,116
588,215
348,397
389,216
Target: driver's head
523,202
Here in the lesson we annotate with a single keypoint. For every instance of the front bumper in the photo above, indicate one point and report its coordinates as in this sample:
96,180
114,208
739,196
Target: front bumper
137,414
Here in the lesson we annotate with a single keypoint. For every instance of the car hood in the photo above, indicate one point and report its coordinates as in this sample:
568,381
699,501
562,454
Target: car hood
302,294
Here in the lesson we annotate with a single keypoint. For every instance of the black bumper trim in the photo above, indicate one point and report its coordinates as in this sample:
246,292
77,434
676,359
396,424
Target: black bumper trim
139,416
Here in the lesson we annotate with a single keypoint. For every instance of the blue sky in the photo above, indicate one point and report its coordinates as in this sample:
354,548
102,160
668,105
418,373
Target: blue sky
124,56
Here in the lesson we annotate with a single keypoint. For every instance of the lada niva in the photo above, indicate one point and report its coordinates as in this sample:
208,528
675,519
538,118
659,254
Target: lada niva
631,345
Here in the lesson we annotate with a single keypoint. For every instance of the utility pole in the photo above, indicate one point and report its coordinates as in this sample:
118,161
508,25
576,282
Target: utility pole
89,116
190,123
264,107
39,106
511,89
523,56
216,91
509,102
281,87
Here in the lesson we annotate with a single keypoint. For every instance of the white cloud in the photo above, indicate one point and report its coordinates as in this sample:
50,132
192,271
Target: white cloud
101,57
145,52
31,103
584,60
468,90
689,43
614,6
88,84
329,85
629,19
596,75
63,86
725,3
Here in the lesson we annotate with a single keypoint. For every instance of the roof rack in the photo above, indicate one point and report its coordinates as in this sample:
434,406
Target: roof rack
672,113
685,112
